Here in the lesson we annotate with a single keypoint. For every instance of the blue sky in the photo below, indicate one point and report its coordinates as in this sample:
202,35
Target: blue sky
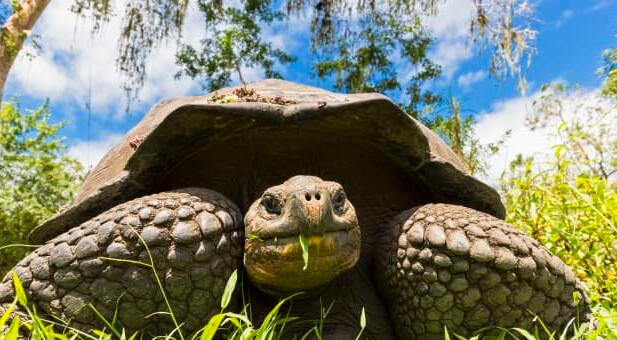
76,70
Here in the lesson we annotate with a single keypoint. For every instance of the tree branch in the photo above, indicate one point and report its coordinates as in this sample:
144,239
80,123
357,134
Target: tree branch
14,33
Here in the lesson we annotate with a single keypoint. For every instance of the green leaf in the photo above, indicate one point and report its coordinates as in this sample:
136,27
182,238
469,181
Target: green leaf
229,289
362,323
20,293
13,331
254,237
7,314
105,321
266,324
213,325
446,334
524,333
362,319
235,316
305,250
36,176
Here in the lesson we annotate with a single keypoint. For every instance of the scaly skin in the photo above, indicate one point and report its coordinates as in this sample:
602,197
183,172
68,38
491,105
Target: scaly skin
308,206
446,265
434,266
194,236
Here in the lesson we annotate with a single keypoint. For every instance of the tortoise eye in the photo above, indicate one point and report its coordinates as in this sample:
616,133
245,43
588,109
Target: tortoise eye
338,201
271,204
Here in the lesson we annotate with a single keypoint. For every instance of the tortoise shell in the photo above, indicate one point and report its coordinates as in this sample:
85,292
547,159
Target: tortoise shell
242,140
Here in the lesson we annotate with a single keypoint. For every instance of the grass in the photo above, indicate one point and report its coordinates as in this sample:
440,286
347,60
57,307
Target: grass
575,218
228,324
231,325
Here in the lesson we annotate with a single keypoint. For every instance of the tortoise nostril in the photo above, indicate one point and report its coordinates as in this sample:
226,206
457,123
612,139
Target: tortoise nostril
307,196
317,196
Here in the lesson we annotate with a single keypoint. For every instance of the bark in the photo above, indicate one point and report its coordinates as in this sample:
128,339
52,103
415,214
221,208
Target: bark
14,33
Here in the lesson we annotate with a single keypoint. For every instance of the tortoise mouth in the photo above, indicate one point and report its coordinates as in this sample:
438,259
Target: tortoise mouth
276,265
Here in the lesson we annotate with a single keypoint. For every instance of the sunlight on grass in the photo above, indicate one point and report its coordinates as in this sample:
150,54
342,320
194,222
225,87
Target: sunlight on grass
232,325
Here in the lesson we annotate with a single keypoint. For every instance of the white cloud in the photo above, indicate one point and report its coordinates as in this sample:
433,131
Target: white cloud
450,55
289,35
450,27
511,114
77,67
89,153
452,19
600,5
565,16
466,80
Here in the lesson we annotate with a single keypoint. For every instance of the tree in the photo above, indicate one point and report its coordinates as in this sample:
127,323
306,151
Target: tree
36,176
586,125
459,133
361,60
609,72
234,42
14,33
357,44
501,25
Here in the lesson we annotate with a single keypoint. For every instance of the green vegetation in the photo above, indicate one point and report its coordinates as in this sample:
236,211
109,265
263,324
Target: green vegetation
567,201
353,41
36,177
231,325
305,253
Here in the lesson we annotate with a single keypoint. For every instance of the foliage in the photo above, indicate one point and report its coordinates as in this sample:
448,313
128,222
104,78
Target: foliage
569,202
609,72
506,26
145,24
305,249
239,325
363,59
234,35
36,177
585,125
606,328
572,215
229,324
459,133
234,43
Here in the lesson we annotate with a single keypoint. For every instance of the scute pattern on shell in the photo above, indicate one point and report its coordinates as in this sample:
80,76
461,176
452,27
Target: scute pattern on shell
446,265
72,270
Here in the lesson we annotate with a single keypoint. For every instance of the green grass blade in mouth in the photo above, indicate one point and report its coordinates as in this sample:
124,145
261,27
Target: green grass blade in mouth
254,237
305,253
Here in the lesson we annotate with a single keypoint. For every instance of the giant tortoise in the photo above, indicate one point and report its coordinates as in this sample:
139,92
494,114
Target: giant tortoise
245,177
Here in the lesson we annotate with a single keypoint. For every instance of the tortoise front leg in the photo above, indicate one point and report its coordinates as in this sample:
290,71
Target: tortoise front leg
446,265
194,237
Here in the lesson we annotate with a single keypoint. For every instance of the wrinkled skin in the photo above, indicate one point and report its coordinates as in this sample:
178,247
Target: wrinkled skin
306,206
432,266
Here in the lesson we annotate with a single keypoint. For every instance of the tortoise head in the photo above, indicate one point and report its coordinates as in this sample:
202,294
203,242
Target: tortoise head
304,209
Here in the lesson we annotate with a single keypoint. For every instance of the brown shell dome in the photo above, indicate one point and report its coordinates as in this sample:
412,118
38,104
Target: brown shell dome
238,146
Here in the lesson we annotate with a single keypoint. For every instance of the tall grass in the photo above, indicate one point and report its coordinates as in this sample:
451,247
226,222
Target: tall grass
576,219
25,321
21,319
239,326
574,216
